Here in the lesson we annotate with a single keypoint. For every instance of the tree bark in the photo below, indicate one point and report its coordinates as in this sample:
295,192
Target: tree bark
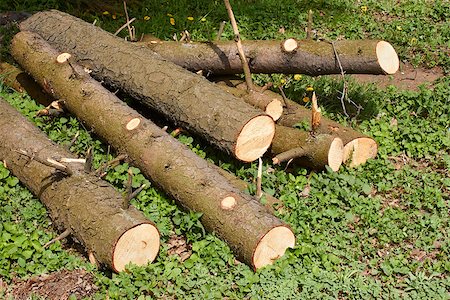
187,99
270,56
312,151
358,147
82,203
20,81
256,236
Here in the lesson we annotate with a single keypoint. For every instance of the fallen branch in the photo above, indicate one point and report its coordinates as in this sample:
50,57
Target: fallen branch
237,39
63,235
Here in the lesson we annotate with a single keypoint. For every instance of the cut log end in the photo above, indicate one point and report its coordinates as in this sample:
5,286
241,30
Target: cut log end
272,246
63,57
289,45
387,57
274,109
138,245
255,138
133,123
358,151
228,203
336,154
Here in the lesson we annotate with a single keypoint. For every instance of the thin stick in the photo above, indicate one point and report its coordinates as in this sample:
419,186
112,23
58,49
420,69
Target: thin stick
237,38
309,28
63,235
124,25
220,32
126,199
344,90
259,179
88,163
128,21
110,163
74,139
315,114
283,95
288,155
136,192
47,162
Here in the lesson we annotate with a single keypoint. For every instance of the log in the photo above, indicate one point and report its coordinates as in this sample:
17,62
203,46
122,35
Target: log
306,149
256,236
358,147
81,203
22,82
189,100
290,56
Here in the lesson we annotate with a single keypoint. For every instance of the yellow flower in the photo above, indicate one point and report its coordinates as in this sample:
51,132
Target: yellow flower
106,13
169,15
114,16
297,77
305,99
190,18
172,21
413,40
364,9
146,18
399,28
283,81
203,19
309,89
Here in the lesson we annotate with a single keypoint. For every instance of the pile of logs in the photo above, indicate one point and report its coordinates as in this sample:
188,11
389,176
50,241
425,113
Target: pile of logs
62,52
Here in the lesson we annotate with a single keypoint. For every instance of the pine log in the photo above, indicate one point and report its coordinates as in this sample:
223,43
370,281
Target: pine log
189,100
358,147
87,206
256,236
306,149
290,56
21,82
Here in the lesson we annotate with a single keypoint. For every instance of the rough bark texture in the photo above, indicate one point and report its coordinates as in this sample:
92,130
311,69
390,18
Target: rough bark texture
267,56
317,151
168,163
86,205
189,100
20,81
358,147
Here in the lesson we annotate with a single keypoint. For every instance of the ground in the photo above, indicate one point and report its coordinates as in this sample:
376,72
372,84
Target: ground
377,231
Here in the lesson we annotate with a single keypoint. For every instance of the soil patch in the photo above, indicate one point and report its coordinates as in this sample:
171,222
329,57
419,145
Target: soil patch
58,285
407,78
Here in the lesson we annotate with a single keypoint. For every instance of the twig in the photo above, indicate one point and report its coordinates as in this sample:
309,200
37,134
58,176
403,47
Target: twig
283,95
124,25
74,139
259,179
237,38
63,235
129,189
110,163
309,28
88,163
315,114
344,89
290,154
136,192
47,162
128,21
220,32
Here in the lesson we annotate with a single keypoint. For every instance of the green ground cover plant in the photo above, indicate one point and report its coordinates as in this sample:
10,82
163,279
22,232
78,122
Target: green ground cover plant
377,231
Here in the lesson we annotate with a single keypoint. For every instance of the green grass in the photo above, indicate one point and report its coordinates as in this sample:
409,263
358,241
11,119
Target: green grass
377,231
